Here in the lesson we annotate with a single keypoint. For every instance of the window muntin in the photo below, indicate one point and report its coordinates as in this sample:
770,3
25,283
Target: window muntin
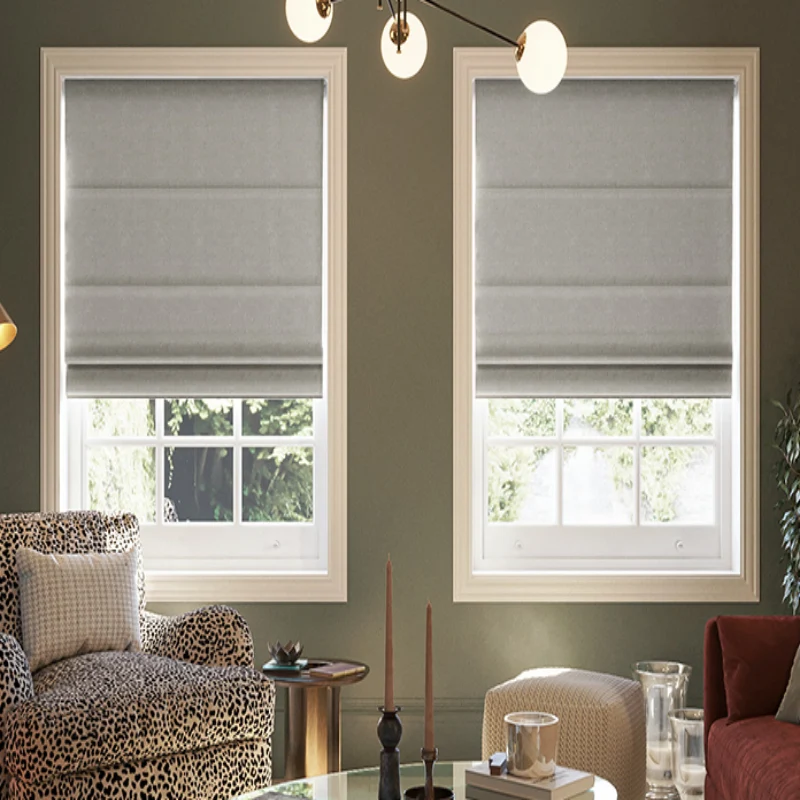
213,467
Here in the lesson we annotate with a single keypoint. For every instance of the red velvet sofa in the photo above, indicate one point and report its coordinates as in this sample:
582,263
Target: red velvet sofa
749,754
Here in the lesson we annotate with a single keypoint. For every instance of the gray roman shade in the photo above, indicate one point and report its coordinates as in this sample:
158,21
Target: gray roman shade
193,238
604,238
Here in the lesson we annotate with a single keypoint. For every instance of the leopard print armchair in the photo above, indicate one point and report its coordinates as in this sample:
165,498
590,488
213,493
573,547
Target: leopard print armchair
187,717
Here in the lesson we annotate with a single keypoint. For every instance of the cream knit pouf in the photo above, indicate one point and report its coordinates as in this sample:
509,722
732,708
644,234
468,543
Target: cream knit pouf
602,721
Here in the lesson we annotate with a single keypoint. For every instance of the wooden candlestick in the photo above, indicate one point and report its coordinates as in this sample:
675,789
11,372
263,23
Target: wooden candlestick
389,732
428,791
428,758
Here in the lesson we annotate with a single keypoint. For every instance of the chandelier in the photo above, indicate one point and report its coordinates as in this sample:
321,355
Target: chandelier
540,51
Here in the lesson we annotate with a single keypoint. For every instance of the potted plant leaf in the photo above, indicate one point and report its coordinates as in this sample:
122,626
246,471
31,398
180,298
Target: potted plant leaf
787,442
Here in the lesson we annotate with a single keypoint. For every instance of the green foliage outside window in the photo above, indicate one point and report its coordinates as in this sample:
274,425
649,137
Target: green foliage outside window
277,481
661,468
512,468
122,478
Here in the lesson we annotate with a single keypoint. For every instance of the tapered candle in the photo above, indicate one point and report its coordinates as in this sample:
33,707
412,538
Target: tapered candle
388,691
428,741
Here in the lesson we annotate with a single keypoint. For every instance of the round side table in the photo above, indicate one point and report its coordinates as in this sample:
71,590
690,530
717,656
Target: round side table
313,738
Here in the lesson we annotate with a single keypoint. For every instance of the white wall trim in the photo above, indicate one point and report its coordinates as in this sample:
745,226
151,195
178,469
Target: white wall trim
221,587
741,64
58,64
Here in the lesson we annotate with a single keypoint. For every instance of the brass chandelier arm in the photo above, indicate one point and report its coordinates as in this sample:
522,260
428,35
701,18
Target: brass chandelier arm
391,6
507,40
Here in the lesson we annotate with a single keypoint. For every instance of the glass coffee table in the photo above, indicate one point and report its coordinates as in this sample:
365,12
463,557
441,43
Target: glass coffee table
362,784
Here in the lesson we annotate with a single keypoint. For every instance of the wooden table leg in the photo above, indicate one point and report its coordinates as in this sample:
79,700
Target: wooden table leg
313,732
334,729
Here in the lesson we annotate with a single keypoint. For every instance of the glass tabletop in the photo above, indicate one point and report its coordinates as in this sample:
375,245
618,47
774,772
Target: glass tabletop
362,784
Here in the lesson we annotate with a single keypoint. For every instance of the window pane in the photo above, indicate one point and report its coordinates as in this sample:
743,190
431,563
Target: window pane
123,479
198,484
122,418
198,417
278,484
598,486
522,417
278,418
593,418
522,485
678,485
681,417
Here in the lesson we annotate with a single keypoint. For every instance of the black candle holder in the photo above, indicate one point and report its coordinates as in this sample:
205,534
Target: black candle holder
390,730
429,791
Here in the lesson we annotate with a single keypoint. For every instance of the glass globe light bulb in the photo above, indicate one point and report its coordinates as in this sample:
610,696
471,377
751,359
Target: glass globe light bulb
306,21
408,62
543,62
8,330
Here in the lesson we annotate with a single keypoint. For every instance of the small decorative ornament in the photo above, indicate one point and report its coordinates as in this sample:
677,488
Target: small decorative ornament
498,764
285,654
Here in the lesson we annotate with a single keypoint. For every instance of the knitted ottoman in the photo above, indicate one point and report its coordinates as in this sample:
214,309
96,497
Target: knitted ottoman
602,721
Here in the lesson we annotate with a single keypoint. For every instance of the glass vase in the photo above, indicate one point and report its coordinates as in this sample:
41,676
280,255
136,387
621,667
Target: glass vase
664,685
688,753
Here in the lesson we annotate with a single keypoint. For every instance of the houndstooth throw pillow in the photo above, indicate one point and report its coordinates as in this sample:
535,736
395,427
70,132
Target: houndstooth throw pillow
73,604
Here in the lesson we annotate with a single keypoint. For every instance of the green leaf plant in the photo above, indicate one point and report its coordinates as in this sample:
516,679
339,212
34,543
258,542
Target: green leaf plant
787,472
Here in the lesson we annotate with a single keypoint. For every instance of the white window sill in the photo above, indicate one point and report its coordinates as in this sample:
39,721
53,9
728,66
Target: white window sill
605,588
245,587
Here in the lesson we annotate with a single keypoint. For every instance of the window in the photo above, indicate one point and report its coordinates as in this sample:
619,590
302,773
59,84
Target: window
195,334
605,329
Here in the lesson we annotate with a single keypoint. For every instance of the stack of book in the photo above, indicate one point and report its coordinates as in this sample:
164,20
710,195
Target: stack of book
314,669
565,784
336,669
281,670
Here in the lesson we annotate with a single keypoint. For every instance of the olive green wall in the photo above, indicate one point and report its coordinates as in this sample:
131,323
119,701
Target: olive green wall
400,160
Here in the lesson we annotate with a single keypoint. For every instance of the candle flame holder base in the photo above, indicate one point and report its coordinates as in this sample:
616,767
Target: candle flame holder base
429,791
390,731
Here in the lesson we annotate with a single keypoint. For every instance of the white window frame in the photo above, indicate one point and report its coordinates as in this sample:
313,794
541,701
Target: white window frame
198,582
739,582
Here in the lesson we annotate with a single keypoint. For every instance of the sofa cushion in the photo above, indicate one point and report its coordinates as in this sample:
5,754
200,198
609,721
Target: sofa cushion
789,710
754,759
757,656
105,708
67,532
214,773
77,603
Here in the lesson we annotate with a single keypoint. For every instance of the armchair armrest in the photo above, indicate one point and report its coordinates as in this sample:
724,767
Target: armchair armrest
16,681
214,636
